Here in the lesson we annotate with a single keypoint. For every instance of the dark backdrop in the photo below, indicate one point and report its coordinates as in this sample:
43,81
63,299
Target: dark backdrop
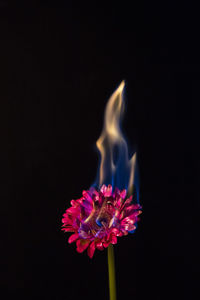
60,62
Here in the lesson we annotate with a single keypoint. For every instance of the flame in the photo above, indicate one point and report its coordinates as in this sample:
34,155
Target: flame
112,139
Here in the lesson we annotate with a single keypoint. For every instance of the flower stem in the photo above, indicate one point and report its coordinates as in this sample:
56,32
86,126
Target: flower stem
111,272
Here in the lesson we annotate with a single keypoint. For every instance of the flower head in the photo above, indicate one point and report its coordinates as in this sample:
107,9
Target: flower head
99,217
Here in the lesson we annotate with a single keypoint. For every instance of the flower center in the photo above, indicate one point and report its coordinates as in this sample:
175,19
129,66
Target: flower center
98,222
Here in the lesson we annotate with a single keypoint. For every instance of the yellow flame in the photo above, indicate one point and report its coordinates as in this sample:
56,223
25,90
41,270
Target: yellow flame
112,135
132,172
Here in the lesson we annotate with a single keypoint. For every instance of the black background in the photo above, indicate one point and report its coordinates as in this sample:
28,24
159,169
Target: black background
59,63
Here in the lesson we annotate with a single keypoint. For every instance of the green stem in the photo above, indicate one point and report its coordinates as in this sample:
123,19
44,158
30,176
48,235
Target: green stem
111,272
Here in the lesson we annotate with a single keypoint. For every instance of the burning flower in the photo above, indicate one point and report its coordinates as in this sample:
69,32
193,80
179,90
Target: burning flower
99,217
104,213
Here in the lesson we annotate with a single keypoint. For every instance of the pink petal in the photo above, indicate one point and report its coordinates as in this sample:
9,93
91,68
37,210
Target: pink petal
114,239
68,229
74,203
91,249
99,246
79,201
121,216
120,234
128,227
115,231
67,220
123,194
130,208
72,210
82,245
119,202
106,244
128,220
128,201
131,227
87,196
103,189
87,205
134,215
108,192
73,238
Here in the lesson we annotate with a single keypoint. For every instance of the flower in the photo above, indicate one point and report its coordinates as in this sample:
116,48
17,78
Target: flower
99,217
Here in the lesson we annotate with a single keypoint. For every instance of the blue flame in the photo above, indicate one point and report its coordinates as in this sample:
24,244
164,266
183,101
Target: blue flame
116,167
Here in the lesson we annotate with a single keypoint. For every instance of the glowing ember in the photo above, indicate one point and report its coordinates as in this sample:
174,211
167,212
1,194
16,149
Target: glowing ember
99,217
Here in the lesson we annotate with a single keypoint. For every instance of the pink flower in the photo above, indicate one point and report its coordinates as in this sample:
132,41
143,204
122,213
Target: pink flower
99,217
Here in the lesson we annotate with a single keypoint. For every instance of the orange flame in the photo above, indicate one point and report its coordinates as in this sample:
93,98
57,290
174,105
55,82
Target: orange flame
112,136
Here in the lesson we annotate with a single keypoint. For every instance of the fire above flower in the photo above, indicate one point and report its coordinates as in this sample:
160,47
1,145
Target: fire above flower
99,217
105,212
